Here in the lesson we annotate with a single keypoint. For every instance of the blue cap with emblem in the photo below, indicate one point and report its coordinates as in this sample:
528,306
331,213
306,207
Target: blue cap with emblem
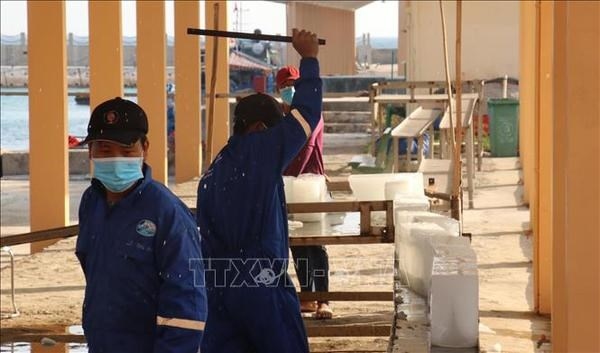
117,120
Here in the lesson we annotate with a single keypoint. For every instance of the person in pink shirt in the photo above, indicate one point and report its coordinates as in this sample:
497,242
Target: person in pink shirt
311,262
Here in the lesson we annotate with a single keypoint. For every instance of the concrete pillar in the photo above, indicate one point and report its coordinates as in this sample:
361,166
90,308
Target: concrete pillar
188,128
335,25
48,159
106,56
221,108
576,171
151,81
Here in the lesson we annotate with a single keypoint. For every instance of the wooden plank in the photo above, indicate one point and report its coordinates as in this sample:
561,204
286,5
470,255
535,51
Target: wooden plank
49,234
339,185
346,296
365,219
349,331
338,240
345,206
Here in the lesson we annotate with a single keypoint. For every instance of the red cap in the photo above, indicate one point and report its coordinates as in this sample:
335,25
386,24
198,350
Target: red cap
287,73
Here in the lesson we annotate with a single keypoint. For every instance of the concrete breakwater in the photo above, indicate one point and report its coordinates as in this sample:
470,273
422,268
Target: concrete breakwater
17,162
77,76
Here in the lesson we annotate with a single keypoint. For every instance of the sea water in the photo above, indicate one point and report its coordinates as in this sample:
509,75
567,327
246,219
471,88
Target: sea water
14,120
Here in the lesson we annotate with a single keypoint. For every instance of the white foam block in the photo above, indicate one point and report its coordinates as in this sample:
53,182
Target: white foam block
406,202
416,253
371,187
454,298
449,224
308,188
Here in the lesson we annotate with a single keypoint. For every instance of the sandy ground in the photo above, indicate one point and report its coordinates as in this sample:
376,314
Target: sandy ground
50,284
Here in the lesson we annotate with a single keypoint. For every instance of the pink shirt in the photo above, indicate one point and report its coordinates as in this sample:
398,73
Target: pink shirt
310,157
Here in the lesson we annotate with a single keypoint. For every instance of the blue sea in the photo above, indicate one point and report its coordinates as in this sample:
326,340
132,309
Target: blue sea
14,119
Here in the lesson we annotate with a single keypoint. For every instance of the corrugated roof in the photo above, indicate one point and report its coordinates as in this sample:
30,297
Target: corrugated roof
241,61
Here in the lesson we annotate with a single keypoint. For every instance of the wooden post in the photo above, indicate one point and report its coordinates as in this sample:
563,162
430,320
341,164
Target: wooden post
216,18
457,179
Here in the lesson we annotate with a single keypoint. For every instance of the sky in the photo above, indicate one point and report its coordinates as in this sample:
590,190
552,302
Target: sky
380,18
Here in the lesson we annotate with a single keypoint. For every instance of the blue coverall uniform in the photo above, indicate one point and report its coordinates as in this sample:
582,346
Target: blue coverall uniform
253,306
144,272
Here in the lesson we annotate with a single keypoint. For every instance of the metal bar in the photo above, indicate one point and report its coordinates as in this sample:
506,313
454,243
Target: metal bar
228,34
346,296
470,164
49,234
15,312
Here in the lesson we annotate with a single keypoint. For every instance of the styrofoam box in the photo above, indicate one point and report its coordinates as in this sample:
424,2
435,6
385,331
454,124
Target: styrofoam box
371,187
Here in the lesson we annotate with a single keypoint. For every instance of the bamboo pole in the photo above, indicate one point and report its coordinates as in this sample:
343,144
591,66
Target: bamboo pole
457,180
455,195
208,157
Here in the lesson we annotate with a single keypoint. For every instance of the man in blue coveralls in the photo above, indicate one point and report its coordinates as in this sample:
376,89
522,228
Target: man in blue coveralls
138,246
243,219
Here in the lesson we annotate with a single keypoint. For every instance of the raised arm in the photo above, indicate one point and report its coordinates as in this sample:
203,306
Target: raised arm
288,137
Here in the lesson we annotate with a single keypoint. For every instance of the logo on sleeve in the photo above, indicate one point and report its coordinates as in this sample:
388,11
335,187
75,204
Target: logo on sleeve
146,228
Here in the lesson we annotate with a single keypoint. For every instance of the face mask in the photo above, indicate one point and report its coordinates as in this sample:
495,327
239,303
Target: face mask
287,94
118,174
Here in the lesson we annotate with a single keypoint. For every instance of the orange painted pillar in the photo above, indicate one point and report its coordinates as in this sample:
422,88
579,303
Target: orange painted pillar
576,175
48,154
544,149
151,81
188,123
106,51
527,97
221,108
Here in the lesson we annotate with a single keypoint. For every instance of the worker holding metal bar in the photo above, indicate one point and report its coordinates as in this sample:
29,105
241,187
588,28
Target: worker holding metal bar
252,302
311,262
138,246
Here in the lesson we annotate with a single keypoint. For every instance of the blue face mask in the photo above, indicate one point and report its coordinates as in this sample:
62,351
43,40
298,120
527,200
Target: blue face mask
118,174
287,94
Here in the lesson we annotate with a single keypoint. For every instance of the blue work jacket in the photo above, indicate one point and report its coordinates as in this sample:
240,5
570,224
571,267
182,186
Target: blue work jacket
144,273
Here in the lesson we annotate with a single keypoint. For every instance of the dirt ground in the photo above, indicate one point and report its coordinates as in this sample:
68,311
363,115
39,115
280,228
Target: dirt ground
50,285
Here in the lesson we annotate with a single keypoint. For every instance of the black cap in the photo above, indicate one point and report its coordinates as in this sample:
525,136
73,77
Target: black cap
256,107
117,120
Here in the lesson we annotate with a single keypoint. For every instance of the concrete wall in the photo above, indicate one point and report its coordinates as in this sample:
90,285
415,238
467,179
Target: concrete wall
335,25
17,163
490,39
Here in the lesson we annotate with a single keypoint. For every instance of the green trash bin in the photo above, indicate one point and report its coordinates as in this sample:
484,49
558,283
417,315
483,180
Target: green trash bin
504,127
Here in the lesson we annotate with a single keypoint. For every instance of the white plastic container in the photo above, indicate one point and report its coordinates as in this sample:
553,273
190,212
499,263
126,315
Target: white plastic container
372,187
